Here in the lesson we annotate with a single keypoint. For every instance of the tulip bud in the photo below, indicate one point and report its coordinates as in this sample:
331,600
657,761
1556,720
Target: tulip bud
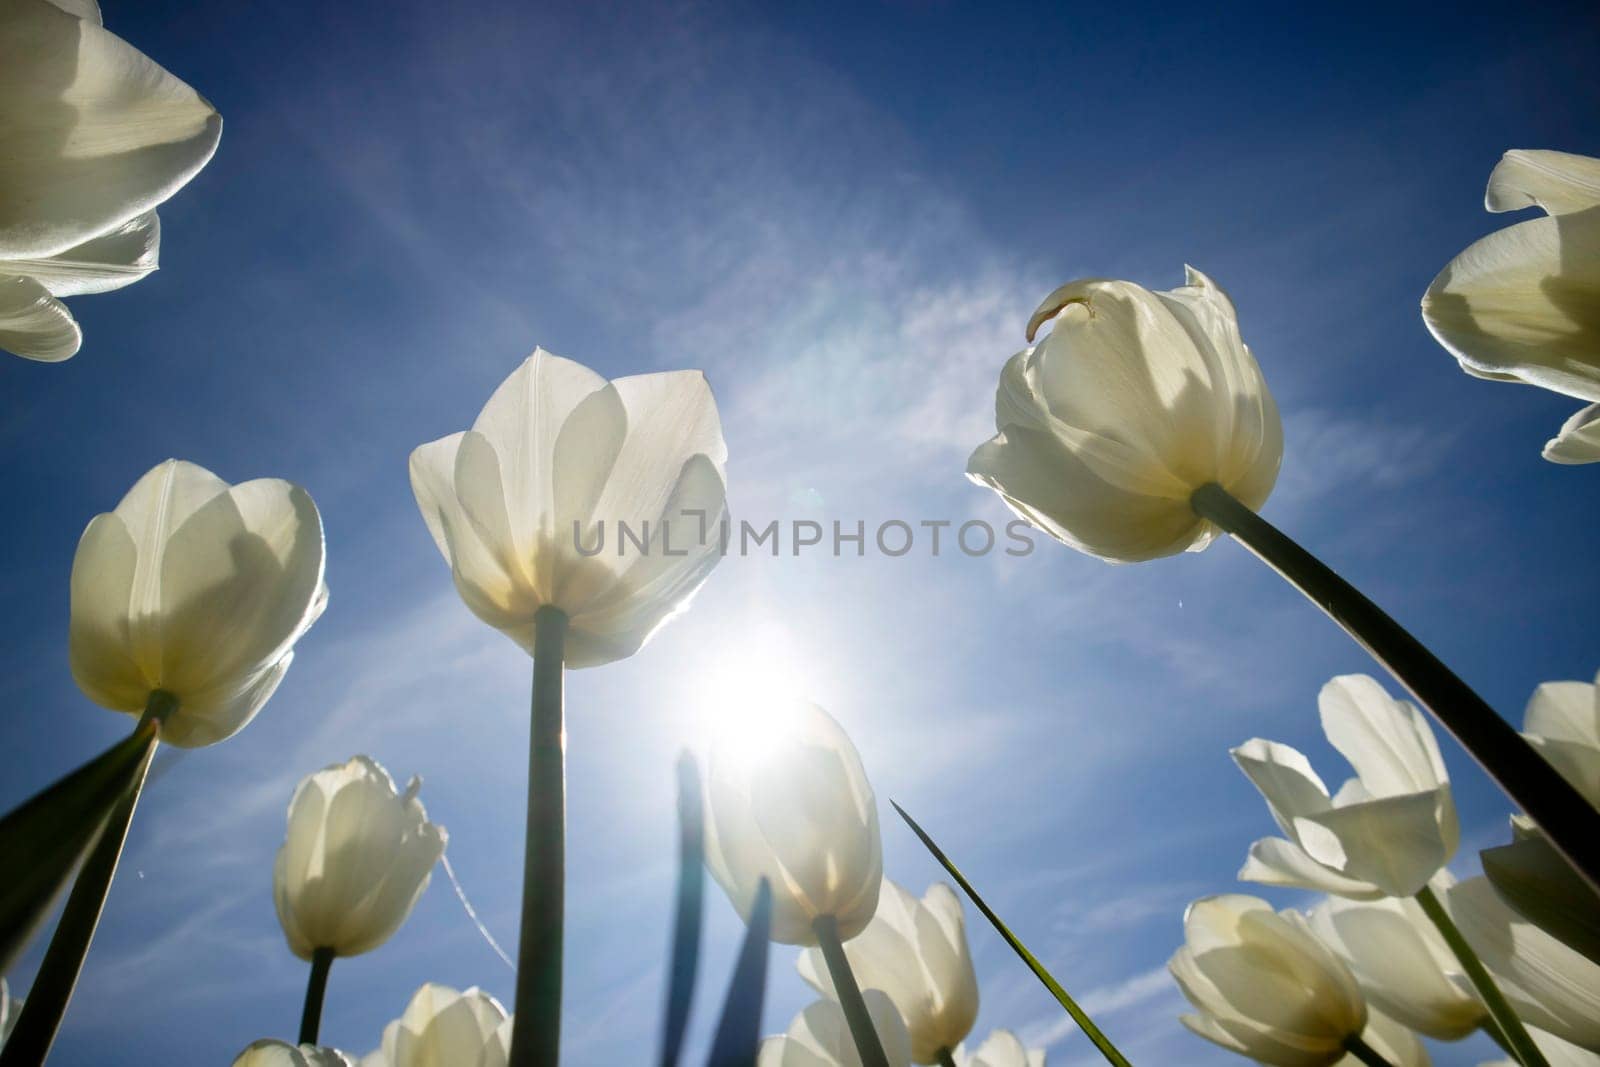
794,806
916,952
1402,963
1000,1049
820,1037
271,1053
1519,305
1387,831
1264,986
97,135
1134,400
1562,721
443,1028
598,498
357,856
197,590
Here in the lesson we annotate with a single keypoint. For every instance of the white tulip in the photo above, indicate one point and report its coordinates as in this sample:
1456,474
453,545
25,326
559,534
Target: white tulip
1386,831
794,807
1560,1053
270,1053
1523,304
96,137
1402,963
194,592
1263,984
1562,721
1548,984
557,463
1135,400
820,1037
357,857
1000,1049
916,952
497,1050
441,1028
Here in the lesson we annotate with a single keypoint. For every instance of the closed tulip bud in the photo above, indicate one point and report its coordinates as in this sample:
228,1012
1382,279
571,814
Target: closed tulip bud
1548,984
1133,401
1387,831
916,952
97,135
441,1028
1520,304
1264,986
1402,963
1001,1049
270,1053
820,1037
1562,721
193,592
794,807
357,857
602,499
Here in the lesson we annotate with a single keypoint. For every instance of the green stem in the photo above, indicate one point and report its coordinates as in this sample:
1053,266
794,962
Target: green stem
945,1058
1516,1037
52,987
686,930
1365,1052
536,1038
1572,824
316,989
849,993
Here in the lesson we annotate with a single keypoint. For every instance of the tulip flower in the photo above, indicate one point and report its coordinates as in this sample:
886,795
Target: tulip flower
357,856
1523,304
443,1028
1562,721
97,135
1000,1049
1387,831
916,952
1141,427
1263,985
1133,401
187,600
1560,1053
791,804
518,506
1553,987
820,1037
271,1053
1402,964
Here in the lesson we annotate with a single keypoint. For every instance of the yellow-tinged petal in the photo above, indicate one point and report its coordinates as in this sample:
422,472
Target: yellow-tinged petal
34,324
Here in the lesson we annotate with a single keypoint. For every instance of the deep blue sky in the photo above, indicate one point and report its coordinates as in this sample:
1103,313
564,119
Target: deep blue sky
844,214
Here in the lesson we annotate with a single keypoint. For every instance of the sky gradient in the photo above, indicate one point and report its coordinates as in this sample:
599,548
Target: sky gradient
844,214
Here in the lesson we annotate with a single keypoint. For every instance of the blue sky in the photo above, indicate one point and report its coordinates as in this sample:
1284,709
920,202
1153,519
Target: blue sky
844,215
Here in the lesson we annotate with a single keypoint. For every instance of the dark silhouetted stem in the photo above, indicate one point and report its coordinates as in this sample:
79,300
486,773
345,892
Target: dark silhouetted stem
849,993
1365,1053
1572,824
316,989
1515,1035
737,1041
536,1036
686,931
52,987
945,1058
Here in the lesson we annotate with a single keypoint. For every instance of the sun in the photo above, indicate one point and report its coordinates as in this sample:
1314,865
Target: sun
745,700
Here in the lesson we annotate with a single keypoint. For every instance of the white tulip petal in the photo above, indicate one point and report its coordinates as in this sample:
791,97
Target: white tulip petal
1525,301
1578,441
98,640
1562,721
443,1028
1284,778
1558,182
1391,1040
1394,843
1002,1048
116,258
1387,741
820,1037
1275,861
34,324
96,133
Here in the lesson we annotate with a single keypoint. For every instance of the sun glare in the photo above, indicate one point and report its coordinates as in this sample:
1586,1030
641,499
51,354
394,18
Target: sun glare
747,698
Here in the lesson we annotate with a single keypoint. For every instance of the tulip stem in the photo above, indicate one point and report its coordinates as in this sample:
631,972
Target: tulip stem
536,1037
1572,824
691,891
945,1058
316,989
52,987
850,999
1365,1052
1517,1040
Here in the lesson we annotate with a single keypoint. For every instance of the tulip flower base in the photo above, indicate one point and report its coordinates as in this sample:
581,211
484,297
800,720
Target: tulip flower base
1571,822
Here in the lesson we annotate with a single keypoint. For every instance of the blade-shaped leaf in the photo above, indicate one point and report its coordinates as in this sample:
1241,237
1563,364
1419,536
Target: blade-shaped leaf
739,1032
1079,1016
686,931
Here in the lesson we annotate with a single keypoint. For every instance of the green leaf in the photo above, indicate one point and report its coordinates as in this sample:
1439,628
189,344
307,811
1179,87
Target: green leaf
739,1031
1079,1016
686,932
